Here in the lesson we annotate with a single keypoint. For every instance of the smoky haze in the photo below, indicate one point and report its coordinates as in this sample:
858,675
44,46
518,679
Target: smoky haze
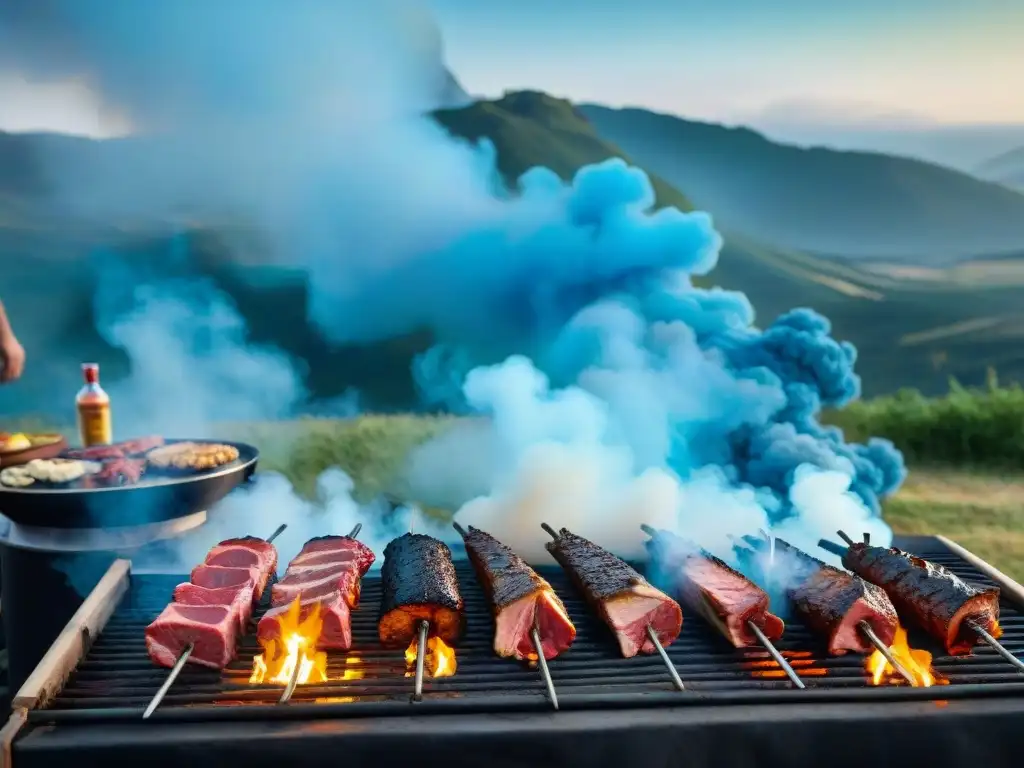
609,390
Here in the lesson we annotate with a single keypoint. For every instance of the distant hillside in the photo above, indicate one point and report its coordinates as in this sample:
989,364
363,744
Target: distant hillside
1007,168
844,203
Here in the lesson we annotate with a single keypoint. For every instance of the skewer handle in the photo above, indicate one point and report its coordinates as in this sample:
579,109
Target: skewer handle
421,652
842,535
175,671
995,644
676,680
831,546
551,531
278,532
355,531
774,653
544,671
869,633
459,528
652,532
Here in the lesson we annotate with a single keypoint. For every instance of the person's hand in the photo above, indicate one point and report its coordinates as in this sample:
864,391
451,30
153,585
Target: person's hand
12,359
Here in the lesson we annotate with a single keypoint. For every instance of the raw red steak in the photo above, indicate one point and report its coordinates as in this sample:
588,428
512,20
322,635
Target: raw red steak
346,582
335,633
213,629
215,576
238,598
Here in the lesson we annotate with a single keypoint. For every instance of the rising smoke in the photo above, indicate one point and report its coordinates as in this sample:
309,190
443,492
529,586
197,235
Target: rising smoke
612,391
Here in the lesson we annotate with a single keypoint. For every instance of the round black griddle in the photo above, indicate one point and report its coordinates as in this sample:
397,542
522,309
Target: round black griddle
157,497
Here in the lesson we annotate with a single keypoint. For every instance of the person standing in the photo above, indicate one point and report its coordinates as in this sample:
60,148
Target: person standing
12,354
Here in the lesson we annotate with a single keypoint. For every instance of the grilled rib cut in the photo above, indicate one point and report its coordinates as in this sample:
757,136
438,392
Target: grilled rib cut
833,602
520,600
727,599
622,597
215,607
419,582
326,573
937,599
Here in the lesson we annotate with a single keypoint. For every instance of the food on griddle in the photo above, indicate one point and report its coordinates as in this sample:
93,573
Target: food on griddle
192,456
419,582
139,445
96,453
16,477
520,600
620,595
57,471
727,599
120,472
940,601
213,609
832,602
325,576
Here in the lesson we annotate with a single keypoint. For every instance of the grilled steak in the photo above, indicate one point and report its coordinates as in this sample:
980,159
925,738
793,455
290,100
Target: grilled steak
212,628
326,573
937,599
727,599
520,600
336,628
832,602
419,582
622,597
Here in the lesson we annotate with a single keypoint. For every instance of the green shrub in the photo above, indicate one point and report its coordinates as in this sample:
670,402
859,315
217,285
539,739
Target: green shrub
983,426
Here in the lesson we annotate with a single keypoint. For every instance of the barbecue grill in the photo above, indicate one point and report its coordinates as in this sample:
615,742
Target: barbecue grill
85,700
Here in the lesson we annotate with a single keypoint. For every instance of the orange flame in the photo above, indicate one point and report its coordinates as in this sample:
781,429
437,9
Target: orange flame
917,663
439,661
297,646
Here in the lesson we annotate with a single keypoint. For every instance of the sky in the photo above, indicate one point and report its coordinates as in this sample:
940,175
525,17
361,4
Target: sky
891,63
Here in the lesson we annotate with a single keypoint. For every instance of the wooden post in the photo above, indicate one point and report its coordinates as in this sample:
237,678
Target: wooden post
73,642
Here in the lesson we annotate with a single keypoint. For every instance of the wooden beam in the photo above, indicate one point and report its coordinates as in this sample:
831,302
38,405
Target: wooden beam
73,642
8,732
1009,588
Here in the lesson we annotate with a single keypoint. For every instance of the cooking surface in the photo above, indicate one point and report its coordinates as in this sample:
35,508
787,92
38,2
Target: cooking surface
117,679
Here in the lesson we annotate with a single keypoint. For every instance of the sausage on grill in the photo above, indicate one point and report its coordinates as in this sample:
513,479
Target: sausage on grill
419,582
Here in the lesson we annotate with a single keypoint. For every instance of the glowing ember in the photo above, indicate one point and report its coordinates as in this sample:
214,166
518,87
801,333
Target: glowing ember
439,661
297,646
917,663
352,669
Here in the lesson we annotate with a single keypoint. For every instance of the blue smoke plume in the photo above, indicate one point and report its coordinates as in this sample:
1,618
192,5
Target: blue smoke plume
613,391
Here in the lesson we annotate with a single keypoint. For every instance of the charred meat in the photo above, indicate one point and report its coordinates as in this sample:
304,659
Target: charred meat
935,597
622,597
832,602
419,582
727,599
520,600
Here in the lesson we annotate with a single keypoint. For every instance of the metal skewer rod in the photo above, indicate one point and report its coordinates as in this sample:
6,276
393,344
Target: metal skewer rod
676,680
355,531
551,531
995,644
845,538
877,642
544,671
774,653
421,653
175,671
180,663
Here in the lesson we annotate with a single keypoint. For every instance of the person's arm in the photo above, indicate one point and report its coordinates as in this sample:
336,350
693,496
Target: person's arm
12,355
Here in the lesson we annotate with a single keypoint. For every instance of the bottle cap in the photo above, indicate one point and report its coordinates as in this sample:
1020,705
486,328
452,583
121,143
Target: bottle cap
91,372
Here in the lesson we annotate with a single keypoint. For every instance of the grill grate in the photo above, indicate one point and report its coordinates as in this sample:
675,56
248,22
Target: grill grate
117,674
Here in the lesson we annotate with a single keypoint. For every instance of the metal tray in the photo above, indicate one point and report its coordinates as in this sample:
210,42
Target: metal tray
155,498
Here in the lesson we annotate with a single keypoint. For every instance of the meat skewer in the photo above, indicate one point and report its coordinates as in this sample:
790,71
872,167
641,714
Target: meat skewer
183,657
364,563
529,617
954,612
610,584
853,614
731,602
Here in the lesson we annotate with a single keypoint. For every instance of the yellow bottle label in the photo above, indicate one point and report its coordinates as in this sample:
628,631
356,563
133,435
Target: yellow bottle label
94,425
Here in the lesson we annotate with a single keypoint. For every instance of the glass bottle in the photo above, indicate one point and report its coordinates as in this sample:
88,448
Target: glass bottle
93,404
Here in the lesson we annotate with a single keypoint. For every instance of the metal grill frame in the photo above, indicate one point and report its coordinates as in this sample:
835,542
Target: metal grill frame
690,706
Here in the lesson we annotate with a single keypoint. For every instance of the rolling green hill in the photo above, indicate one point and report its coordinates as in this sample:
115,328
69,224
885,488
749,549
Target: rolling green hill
855,204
